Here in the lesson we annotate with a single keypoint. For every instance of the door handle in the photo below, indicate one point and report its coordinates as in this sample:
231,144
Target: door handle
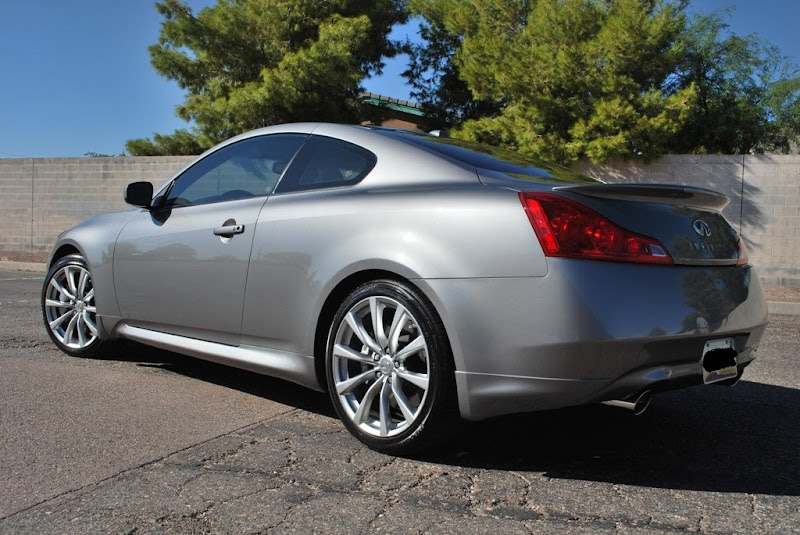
227,231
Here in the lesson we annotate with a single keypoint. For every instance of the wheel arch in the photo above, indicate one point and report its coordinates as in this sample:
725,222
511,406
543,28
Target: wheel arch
62,251
340,292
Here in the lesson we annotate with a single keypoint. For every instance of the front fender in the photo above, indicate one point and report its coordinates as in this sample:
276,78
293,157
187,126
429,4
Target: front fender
94,239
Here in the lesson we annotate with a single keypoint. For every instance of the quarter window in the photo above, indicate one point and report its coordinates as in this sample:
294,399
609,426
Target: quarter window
325,162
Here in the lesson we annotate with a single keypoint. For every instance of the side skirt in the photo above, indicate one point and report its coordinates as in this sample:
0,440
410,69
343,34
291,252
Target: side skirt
289,366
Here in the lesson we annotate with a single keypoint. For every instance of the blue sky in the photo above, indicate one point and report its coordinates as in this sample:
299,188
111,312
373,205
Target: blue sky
76,76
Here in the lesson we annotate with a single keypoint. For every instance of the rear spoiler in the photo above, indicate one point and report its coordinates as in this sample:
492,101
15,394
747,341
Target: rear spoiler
659,193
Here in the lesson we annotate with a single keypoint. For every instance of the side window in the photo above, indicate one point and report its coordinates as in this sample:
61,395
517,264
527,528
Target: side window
325,162
248,168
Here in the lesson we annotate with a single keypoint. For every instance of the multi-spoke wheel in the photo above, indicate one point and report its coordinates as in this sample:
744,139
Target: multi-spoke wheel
389,368
68,307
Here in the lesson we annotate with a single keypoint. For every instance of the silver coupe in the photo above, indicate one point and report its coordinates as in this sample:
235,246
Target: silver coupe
417,279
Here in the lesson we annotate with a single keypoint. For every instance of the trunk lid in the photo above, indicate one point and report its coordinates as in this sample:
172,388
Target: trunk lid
686,220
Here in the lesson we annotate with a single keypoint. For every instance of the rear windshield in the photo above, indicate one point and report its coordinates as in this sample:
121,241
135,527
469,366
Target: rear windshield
490,158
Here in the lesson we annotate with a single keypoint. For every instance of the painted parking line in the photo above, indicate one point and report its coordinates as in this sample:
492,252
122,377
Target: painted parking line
23,279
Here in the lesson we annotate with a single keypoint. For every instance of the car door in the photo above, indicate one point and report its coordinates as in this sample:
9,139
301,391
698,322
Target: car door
283,279
181,267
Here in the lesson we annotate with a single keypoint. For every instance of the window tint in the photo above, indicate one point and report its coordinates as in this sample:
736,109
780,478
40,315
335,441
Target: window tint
325,162
248,168
489,157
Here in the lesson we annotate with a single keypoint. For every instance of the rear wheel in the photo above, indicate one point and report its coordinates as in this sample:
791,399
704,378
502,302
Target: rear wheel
68,307
389,369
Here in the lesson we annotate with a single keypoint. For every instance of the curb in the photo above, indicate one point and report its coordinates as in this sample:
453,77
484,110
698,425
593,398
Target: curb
783,308
32,267
774,307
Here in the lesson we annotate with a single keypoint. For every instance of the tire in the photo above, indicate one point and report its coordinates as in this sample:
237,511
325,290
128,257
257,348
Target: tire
68,307
389,369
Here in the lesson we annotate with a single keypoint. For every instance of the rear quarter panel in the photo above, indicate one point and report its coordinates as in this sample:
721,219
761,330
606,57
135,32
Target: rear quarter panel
306,243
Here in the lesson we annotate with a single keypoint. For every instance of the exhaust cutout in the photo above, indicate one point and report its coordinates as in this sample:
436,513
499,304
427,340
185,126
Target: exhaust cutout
638,406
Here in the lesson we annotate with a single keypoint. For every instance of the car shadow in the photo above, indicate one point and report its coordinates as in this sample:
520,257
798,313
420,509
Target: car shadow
742,439
245,381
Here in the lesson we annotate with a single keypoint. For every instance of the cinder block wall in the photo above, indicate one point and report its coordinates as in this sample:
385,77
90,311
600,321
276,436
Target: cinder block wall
41,197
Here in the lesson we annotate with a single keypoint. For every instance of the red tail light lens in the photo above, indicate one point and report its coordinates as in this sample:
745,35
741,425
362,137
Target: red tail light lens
743,253
566,228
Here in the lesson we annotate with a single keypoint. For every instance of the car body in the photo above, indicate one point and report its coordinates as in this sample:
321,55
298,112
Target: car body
414,277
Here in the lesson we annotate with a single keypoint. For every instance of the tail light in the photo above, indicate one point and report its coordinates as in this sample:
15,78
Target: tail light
566,228
743,253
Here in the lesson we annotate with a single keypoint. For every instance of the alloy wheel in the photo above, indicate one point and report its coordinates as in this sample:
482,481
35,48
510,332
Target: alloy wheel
380,366
69,307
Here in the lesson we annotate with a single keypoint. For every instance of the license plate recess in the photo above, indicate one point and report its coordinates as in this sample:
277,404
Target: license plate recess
718,362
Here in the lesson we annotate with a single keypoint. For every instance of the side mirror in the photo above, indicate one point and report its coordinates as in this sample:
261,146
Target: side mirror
139,194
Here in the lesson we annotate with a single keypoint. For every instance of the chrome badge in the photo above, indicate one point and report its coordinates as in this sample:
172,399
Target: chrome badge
701,227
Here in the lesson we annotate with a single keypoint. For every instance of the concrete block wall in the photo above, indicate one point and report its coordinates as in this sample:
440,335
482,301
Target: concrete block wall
771,220
16,204
765,200
39,198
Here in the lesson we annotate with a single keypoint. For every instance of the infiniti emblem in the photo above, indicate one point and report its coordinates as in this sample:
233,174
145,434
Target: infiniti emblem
701,227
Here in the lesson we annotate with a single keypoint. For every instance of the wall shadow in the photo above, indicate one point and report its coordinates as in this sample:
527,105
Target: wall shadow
752,218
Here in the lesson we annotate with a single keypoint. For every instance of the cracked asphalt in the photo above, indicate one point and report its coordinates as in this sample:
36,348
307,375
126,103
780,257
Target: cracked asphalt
148,441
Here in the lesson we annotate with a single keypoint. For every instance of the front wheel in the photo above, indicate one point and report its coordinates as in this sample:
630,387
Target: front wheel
389,369
68,307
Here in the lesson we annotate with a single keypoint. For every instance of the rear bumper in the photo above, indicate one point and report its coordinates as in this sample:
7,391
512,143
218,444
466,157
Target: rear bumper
591,331
483,396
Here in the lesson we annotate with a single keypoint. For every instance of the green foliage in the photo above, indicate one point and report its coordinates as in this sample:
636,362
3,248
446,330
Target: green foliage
570,77
564,79
252,63
556,79
433,75
783,100
747,96
179,143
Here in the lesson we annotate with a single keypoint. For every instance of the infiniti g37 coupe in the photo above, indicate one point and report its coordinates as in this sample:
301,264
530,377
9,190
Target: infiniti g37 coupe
415,278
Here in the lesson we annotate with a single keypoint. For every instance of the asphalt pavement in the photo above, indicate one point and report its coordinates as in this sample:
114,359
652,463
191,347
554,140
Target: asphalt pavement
148,441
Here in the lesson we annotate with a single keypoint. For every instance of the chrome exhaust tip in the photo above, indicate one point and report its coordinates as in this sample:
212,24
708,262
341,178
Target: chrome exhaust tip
638,405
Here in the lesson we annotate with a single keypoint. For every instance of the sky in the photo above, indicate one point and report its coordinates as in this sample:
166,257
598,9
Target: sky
75,77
